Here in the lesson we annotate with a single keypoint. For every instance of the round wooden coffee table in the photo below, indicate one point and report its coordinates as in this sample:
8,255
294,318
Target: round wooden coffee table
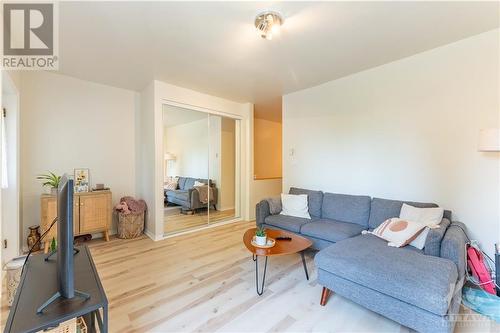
297,244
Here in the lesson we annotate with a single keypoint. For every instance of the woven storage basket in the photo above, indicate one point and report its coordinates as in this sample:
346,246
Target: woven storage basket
81,327
130,225
66,327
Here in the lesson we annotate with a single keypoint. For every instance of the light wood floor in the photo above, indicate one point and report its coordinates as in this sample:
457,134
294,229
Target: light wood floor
177,222
205,281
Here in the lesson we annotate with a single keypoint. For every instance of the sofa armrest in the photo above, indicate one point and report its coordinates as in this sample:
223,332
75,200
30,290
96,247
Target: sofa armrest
261,212
453,246
435,237
215,193
194,199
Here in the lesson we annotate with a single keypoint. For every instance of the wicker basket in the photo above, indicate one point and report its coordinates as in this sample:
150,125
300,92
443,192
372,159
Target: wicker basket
81,327
68,326
130,225
74,325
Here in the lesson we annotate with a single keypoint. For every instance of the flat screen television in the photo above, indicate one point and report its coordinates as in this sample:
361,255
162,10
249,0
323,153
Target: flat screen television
65,249
65,262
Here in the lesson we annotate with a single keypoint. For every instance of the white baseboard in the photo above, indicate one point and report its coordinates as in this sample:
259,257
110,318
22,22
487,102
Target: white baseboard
152,236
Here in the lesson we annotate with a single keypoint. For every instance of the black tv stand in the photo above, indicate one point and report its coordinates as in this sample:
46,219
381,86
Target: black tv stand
58,295
76,251
33,291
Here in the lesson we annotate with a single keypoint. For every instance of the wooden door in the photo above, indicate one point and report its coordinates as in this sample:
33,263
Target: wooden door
95,212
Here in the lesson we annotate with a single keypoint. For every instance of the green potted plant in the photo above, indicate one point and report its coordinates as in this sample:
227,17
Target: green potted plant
260,236
50,180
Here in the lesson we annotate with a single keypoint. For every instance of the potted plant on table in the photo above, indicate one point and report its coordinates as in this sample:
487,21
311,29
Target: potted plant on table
260,236
50,180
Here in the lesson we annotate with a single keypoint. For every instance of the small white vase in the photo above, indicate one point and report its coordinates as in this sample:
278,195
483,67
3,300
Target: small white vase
261,240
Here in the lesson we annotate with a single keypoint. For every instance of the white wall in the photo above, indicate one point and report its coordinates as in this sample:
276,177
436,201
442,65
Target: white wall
405,130
68,123
145,152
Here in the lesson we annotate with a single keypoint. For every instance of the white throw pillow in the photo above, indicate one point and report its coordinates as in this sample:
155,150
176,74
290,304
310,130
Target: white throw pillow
430,217
197,183
171,183
398,232
295,205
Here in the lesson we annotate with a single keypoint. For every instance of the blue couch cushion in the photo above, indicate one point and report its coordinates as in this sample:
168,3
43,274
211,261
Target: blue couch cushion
383,209
346,208
314,200
182,182
289,223
189,183
331,230
406,274
179,194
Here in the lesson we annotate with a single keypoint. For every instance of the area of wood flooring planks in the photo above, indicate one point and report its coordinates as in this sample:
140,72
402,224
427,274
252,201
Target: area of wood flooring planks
178,222
205,282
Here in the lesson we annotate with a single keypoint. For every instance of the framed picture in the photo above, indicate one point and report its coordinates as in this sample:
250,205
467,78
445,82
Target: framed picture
82,180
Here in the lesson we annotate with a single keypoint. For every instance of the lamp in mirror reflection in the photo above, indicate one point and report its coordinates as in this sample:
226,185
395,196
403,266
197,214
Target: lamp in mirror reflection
169,157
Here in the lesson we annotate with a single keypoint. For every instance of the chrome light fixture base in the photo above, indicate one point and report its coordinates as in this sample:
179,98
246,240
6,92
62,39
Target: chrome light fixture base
268,23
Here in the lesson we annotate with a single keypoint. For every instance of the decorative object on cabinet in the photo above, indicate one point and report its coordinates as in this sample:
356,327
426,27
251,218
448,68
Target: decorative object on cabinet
82,180
33,238
50,180
100,187
91,214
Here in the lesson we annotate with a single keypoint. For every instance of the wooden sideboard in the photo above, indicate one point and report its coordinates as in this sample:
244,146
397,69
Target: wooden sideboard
92,213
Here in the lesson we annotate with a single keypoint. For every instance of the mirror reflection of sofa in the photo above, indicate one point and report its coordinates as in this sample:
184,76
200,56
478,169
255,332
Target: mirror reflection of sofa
188,197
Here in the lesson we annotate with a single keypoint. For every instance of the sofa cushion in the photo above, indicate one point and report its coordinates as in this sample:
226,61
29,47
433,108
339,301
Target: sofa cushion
182,183
346,208
189,183
403,273
289,223
331,230
383,209
179,194
314,198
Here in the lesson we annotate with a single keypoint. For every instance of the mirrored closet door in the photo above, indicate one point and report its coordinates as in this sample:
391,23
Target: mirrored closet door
222,168
186,151
201,169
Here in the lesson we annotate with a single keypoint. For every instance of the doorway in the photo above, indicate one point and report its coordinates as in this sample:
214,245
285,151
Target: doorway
10,197
200,169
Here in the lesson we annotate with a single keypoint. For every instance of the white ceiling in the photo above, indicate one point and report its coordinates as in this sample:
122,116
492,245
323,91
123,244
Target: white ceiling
212,47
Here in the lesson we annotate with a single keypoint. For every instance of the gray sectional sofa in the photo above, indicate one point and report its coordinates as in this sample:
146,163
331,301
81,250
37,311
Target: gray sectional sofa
187,196
420,289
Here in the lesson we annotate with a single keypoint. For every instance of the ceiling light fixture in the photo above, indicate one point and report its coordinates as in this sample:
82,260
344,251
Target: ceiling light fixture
268,23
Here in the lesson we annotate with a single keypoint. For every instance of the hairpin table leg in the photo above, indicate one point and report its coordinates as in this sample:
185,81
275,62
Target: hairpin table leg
304,263
261,291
